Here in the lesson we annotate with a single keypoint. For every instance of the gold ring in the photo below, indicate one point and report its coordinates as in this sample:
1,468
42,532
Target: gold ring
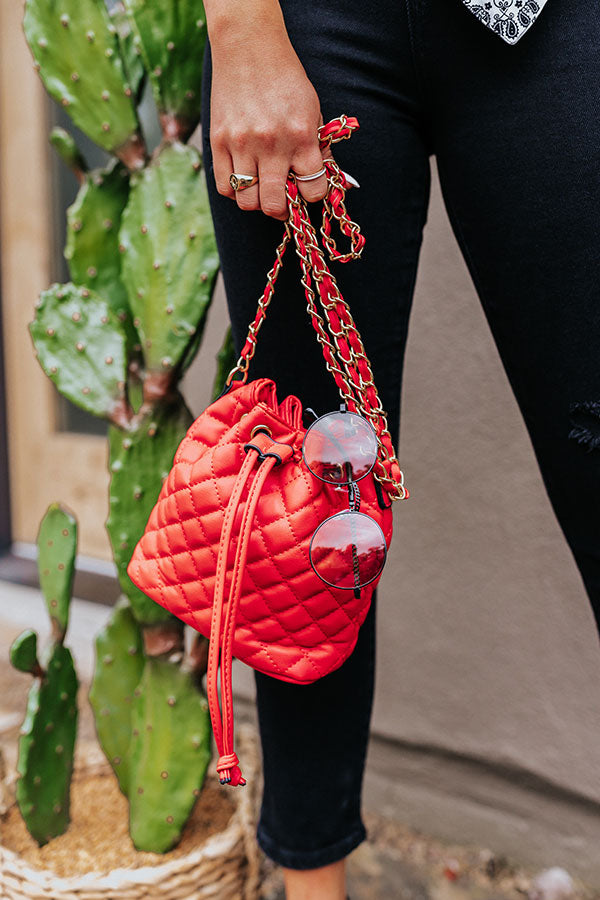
310,177
241,182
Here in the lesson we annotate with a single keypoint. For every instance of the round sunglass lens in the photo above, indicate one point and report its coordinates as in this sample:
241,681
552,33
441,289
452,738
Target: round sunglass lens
348,550
340,447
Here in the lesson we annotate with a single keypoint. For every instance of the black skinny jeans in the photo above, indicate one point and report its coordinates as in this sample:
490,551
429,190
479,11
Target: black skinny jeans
516,134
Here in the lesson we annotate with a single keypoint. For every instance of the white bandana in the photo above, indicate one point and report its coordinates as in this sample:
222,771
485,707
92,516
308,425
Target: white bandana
508,18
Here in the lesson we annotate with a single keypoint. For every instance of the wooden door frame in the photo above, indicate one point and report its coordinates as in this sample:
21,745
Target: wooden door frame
5,525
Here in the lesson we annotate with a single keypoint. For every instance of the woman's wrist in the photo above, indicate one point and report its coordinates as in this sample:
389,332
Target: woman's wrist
234,22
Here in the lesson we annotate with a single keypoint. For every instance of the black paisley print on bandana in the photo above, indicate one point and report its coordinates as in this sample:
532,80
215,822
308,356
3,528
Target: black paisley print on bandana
509,19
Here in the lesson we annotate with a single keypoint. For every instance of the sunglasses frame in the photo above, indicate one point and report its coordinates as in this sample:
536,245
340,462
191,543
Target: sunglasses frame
353,490
348,512
335,412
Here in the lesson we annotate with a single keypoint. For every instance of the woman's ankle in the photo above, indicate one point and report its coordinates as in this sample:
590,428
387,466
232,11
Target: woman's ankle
325,883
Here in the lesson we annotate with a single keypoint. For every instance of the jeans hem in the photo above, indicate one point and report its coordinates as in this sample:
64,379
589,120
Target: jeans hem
309,859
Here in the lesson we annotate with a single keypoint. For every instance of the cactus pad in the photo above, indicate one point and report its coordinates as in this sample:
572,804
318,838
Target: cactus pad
57,547
46,747
92,248
119,667
68,151
170,752
169,262
77,52
172,37
130,51
23,652
139,462
80,345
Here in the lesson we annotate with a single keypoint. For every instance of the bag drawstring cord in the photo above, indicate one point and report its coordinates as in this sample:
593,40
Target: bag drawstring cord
223,617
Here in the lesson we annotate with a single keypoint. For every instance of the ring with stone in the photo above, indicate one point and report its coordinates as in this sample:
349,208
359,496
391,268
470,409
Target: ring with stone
241,182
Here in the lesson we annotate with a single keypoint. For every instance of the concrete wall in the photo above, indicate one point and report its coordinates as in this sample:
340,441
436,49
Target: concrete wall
487,715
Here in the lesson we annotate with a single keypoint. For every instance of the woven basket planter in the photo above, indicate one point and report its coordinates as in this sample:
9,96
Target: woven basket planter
225,866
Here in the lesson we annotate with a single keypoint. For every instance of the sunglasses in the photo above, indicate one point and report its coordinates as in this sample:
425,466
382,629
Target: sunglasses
348,550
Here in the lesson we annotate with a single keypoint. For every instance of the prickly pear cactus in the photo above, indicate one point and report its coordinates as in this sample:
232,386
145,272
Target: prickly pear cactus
130,51
23,653
172,37
77,53
57,546
139,462
92,248
170,752
116,341
119,667
68,151
81,346
169,262
47,740
46,747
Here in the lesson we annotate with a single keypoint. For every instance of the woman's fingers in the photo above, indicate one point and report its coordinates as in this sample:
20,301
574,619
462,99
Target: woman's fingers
309,163
272,179
269,194
246,198
223,167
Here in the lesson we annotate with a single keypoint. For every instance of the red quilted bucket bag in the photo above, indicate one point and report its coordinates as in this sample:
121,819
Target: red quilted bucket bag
267,537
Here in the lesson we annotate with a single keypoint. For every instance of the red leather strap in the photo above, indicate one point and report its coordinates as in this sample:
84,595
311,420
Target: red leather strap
223,623
217,608
228,774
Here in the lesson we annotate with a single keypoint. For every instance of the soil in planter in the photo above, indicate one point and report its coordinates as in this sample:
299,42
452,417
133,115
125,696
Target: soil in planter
98,839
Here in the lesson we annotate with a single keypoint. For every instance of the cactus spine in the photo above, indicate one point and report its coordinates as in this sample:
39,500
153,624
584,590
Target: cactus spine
47,740
117,340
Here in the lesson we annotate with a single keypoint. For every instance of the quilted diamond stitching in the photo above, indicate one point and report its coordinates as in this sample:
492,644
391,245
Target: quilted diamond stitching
302,650
191,554
296,540
177,584
321,611
286,629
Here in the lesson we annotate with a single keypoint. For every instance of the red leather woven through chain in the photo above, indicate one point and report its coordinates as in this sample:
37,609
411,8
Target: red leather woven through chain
345,357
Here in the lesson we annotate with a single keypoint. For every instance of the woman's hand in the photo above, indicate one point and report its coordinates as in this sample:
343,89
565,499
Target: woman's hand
264,111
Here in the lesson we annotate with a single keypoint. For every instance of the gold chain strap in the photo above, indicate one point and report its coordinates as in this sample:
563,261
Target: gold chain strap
314,268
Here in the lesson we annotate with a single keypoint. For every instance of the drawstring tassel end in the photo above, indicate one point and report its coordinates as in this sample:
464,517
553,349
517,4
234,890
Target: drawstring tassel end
229,770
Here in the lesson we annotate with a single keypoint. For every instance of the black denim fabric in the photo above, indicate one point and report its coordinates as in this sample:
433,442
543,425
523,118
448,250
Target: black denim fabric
516,134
